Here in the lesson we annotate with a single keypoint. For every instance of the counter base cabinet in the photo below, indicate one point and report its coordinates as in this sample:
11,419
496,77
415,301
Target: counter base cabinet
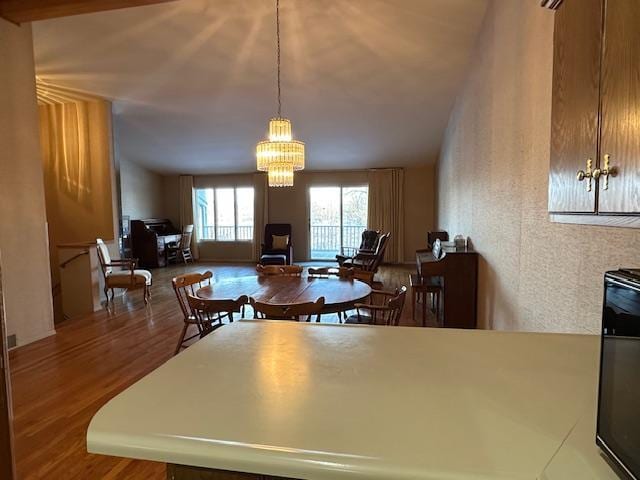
184,472
594,171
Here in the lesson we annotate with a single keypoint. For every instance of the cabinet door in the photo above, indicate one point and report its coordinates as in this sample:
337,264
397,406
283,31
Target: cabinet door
575,105
621,107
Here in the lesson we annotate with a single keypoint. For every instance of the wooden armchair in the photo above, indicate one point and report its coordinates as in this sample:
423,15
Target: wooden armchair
369,261
388,313
368,244
125,276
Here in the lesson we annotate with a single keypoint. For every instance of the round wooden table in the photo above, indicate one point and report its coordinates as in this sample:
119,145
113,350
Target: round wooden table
339,294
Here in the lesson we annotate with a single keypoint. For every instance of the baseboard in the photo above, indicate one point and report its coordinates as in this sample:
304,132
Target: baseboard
27,340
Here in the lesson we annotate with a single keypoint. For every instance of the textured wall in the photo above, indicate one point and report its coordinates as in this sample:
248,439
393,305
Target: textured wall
142,192
23,225
493,177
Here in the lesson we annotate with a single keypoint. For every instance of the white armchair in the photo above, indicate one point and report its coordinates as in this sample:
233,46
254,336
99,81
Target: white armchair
128,277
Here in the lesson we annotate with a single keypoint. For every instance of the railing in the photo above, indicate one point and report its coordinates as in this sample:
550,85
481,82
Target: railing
325,239
225,233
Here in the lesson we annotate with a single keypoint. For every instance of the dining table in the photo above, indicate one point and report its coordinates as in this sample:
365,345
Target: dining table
340,294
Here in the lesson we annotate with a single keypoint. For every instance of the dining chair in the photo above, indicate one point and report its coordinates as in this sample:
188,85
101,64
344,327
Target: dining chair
183,286
182,250
280,270
292,311
209,311
341,272
387,313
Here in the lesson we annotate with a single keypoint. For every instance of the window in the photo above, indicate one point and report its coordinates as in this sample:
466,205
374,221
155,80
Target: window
338,215
225,214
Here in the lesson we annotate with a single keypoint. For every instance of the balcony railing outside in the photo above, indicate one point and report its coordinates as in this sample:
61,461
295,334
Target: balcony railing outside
325,240
225,233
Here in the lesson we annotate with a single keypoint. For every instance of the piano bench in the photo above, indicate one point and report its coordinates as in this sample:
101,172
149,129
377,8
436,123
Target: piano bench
420,287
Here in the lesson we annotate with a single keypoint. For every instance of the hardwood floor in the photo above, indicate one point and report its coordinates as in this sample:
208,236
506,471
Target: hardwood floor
60,382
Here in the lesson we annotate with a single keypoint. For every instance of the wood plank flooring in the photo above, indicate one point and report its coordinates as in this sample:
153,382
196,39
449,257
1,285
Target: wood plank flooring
60,382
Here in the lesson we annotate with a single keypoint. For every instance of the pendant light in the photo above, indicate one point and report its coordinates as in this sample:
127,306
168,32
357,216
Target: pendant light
280,155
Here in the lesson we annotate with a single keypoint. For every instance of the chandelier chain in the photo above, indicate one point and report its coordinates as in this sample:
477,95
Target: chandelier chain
278,49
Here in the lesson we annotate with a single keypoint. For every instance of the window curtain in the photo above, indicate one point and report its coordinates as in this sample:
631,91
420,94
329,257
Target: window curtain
187,210
386,209
260,212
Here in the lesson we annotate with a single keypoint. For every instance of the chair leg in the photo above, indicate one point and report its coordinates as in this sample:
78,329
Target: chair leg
424,308
413,304
106,293
181,340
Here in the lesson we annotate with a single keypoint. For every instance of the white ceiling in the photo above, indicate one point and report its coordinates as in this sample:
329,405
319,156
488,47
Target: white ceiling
366,83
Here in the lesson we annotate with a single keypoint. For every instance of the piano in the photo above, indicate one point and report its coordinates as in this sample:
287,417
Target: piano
149,239
458,269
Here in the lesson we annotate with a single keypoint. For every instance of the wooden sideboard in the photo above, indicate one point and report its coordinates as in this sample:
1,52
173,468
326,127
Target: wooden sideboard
595,145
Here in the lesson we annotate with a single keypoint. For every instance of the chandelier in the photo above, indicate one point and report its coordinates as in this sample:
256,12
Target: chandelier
280,155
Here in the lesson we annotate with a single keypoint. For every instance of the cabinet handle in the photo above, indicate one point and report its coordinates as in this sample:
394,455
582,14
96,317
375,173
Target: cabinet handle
589,174
606,172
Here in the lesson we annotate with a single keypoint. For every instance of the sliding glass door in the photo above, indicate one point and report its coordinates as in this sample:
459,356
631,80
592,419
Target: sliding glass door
337,217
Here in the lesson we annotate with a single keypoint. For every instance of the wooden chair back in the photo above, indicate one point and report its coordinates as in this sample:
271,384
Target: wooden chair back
382,246
206,310
280,270
187,284
293,311
342,272
185,238
321,272
396,305
389,310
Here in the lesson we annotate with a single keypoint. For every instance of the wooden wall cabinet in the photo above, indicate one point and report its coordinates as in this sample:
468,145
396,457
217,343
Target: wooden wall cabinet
594,174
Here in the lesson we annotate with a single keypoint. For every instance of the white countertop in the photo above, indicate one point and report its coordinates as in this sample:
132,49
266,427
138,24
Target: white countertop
317,401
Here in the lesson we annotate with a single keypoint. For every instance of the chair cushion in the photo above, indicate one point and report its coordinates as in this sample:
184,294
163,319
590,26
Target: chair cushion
123,278
279,242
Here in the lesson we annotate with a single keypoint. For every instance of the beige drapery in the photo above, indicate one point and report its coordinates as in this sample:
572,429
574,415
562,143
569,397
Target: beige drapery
260,212
386,209
64,131
187,210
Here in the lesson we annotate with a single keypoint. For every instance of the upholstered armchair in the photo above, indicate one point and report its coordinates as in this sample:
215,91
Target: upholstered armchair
125,275
275,243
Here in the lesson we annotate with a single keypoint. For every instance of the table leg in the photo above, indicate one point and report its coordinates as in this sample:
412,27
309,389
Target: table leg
424,308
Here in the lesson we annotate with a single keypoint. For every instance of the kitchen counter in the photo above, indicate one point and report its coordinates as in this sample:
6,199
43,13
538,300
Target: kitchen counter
319,401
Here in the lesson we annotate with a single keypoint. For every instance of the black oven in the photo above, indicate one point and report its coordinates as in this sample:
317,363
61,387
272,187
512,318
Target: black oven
618,426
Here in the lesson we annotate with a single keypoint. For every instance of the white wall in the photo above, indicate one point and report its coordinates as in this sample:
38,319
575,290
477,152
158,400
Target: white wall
23,228
142,191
